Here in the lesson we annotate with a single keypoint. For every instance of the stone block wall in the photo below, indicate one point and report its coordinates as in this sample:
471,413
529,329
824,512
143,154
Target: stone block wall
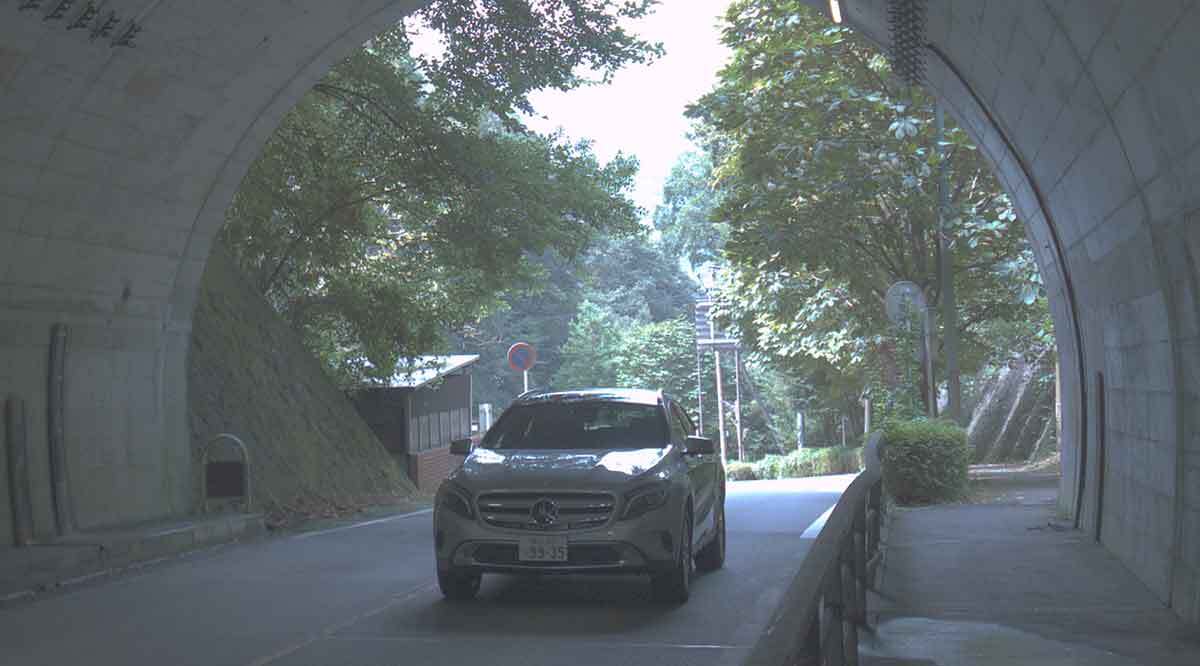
428,468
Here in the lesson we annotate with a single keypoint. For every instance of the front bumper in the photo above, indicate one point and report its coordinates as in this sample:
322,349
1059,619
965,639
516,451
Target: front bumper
642,545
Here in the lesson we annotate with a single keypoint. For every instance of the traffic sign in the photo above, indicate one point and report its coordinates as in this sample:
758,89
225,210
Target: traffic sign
521,356
904,299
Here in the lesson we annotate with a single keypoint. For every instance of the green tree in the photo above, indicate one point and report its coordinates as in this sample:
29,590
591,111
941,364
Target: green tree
591,354
826,169
685,216
539,313
402,195
607,350
660,355
628,278
638,279
495,52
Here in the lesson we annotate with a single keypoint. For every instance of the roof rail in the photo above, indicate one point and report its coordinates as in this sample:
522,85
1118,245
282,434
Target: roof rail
532,392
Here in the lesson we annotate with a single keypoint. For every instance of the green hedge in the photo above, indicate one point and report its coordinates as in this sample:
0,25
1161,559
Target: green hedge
740,471
924,461
797,464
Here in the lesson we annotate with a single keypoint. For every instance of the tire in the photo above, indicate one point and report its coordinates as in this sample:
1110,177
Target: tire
712,556
674,585
459,585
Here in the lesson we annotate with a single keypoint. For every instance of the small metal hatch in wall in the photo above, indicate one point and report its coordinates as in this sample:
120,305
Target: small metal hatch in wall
225,480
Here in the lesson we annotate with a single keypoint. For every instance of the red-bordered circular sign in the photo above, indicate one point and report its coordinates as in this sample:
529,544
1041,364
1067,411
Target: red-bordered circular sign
521,356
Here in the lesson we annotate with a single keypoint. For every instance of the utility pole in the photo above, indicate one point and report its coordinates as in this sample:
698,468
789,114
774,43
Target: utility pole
720,405
699,394
737,400
946,267
927,359
762,404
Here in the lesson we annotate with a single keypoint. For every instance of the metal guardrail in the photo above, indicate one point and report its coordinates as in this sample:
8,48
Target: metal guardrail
822,610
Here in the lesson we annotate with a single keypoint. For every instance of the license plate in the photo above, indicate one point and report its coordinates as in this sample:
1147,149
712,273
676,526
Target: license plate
542,548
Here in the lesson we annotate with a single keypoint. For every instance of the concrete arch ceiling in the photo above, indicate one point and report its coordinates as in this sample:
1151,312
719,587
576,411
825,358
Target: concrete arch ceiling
116,167
117,164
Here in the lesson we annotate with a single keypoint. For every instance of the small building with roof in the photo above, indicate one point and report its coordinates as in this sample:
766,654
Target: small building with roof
419,411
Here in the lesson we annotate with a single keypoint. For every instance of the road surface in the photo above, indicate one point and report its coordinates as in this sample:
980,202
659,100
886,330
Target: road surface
365,595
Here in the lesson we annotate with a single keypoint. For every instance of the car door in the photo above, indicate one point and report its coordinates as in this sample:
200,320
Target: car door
700,471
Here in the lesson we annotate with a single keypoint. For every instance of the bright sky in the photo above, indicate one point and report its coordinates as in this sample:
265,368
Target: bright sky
641,112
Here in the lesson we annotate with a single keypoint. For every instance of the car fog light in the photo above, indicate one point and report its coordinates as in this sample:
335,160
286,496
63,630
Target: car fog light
644,500
454,500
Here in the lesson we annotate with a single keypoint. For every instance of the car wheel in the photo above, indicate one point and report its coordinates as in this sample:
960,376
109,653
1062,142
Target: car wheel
712,556
675,585
459,585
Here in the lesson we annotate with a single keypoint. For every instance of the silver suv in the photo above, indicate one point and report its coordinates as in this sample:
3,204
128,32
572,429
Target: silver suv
593,481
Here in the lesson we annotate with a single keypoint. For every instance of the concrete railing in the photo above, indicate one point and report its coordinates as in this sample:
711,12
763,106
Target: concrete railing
818,619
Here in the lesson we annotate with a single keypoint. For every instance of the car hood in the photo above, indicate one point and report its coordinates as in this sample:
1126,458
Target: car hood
487,469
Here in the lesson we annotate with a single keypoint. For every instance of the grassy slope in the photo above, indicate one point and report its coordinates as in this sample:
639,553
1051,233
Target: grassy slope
249,375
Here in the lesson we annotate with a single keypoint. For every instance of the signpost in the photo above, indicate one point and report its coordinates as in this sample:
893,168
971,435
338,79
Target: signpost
521,357
709,336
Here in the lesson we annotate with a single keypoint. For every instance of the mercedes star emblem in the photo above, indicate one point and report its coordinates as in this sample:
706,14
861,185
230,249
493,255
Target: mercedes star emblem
544,512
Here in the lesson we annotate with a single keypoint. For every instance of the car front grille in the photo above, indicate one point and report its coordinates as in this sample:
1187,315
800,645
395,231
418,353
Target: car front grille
575,510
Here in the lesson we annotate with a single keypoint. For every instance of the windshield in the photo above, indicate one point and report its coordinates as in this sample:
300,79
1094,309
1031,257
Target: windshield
579,425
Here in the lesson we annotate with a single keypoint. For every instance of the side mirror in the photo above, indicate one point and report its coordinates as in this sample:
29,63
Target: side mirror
699,446
460,447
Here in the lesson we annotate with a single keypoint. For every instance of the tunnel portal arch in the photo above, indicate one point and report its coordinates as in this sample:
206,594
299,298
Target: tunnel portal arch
117,164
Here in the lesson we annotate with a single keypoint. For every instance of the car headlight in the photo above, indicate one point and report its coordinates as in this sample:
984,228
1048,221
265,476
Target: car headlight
455,500
644,500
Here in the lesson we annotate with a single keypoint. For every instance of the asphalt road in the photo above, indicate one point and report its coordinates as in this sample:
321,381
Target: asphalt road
365,595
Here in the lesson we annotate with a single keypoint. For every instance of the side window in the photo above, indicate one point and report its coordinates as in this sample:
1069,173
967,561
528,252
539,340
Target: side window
679,429
688,426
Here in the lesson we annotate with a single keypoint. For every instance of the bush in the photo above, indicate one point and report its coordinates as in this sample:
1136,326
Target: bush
799,464
741,471
769,467
924,461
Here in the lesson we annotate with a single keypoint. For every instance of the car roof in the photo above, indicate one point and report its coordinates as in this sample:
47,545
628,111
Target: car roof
635,396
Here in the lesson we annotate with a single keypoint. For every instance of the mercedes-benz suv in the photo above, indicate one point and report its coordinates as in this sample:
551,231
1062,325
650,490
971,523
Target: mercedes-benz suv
592,481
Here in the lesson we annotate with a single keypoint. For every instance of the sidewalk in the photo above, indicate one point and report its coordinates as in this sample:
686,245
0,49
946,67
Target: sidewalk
1002,580
25,572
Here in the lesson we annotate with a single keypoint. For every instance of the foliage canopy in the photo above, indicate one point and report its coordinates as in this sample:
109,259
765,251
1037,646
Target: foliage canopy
402,194
827,170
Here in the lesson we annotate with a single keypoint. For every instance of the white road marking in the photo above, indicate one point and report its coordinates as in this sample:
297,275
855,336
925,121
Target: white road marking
578,643
365,523
332,629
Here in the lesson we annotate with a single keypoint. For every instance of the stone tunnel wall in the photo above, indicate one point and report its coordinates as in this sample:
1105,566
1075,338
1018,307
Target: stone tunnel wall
116,167
1087,108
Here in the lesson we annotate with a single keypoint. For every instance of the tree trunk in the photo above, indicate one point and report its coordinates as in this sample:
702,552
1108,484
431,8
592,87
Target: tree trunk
1041,414
1023,409
987,423
1046,443
828,428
